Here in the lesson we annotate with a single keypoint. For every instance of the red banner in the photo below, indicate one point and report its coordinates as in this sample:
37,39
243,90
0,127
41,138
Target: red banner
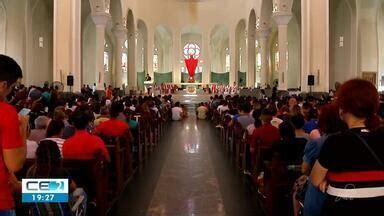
191,64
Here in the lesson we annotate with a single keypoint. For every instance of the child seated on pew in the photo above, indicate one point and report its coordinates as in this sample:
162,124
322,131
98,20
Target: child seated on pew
48,164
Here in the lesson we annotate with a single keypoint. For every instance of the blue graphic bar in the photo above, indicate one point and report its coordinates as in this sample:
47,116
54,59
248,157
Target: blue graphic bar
44,197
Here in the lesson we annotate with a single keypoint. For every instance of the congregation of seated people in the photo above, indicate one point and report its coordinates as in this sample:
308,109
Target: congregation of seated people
55,131
303,153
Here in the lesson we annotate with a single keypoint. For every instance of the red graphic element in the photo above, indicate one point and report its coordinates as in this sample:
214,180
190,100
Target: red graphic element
191,64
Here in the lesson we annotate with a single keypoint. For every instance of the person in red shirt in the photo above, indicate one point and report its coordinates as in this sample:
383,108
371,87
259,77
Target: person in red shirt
266,135
13,132
83,145
114,127
108,92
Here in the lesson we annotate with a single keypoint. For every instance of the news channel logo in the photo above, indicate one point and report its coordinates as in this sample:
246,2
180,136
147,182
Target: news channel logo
45,190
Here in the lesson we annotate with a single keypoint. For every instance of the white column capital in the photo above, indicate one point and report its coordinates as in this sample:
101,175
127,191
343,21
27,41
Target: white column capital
263,33
282,6
282,18
120,33
100,18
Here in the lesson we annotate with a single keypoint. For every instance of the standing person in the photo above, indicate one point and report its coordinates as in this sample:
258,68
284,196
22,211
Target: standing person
94,88
350,165
108,92
13,132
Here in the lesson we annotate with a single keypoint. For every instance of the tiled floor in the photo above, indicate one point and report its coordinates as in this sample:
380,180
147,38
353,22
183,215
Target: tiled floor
189,174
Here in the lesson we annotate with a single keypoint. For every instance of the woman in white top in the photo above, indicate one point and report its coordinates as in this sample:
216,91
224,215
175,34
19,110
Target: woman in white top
177,112
55,132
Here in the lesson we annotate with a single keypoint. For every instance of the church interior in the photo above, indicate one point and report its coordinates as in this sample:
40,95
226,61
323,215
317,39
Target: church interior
193,107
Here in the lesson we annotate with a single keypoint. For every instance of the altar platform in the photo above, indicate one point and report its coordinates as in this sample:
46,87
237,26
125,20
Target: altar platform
191,98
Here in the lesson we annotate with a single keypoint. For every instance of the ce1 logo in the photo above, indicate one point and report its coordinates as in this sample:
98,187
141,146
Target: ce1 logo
44,185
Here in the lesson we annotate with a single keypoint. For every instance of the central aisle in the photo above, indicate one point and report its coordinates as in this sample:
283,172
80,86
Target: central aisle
188,175
188,183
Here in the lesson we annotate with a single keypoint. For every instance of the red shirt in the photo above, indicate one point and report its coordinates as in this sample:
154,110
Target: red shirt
83,145
9,139
108,93
112,128
267,134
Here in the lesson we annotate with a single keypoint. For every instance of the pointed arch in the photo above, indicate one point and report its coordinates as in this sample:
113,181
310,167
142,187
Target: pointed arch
219,54
163,48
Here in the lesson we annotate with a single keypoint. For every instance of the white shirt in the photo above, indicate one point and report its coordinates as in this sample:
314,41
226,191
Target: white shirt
31,149
59,143
222,108
176,113
276,122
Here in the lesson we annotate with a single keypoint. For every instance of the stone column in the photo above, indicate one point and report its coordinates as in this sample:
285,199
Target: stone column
100,19
67,42
120,34
132,73
263,35
251,73
150,51
282,19
233,52
206,58
314,44
177,56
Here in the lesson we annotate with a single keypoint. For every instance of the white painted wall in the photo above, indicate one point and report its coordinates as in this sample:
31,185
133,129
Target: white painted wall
40,68
89,75
341,54
380,32
3,25
16,32
293,76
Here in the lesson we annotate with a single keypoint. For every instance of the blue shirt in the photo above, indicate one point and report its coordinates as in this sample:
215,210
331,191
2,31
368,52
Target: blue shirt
310,125
314,198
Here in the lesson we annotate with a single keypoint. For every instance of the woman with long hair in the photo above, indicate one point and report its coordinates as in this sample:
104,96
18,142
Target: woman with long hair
48,164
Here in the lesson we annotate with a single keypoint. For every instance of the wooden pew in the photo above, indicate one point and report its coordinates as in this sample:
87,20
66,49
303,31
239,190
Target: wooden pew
279,177
118,152
91,175
238,136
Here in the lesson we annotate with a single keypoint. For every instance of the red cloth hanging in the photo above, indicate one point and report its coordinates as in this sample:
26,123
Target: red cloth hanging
191,64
